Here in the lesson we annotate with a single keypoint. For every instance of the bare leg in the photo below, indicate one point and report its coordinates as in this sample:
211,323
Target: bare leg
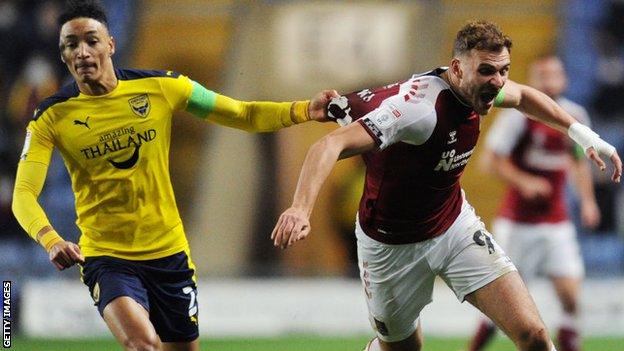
567,289
129,322
181,346
507,303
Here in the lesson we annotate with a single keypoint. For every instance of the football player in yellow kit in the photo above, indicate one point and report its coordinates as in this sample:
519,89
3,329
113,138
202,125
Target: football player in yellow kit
113,128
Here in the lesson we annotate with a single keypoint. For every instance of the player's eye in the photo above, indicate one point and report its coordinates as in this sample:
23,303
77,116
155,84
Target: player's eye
486,71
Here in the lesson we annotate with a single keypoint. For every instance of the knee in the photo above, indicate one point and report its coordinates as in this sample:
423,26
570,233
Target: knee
142,343
535,339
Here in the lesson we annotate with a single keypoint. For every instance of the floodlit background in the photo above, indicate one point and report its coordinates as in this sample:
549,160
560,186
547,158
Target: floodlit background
231,186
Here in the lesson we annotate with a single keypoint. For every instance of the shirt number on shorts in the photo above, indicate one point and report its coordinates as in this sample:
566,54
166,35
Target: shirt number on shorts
193,304
483,239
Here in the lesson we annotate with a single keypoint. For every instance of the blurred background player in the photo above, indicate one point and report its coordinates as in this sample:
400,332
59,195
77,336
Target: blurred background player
414,222
533,224
113,129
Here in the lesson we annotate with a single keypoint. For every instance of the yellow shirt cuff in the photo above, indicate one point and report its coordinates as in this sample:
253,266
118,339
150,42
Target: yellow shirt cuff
299,112
50,239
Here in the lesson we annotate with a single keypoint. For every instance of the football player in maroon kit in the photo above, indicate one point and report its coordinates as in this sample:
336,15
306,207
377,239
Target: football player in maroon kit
533,226
414,222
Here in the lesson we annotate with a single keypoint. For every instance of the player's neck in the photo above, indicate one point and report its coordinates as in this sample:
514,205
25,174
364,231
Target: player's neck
448,77
102,86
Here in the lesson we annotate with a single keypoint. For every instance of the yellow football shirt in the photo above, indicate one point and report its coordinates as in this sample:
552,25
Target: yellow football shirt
116,149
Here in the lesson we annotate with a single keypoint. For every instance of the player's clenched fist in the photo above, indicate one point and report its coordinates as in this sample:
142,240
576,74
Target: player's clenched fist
65,254
293,225
318,105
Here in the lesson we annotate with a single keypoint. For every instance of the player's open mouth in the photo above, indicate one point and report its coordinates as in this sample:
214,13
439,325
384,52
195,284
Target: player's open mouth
488,97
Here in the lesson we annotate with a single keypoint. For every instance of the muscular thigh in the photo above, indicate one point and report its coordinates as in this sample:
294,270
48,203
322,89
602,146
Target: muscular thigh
470,258
507,302
397,283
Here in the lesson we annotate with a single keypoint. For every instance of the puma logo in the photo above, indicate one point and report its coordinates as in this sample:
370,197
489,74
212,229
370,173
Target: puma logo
85,123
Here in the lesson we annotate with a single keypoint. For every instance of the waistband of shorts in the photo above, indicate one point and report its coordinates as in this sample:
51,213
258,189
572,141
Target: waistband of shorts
372,229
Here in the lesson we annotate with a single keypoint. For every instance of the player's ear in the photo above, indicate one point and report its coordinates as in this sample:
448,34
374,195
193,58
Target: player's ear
456,67
111,43
62,58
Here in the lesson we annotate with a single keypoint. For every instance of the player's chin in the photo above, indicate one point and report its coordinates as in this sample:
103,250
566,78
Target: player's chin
483,108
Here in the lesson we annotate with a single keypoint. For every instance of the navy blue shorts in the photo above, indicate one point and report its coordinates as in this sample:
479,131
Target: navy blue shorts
164,287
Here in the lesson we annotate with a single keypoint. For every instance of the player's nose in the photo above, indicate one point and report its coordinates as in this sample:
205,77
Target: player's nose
497,80
83,51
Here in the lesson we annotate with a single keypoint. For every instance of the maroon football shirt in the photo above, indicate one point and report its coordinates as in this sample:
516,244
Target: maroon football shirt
426,136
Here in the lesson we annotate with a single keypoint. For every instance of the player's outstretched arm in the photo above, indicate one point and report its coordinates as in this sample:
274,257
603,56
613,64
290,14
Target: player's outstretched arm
256,116
582,178
294,223
28,184
539,106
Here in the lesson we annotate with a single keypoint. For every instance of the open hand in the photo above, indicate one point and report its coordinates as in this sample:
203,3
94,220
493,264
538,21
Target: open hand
592,154
533,188
293,225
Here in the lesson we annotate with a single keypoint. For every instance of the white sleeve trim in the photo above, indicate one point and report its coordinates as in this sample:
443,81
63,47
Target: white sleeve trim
397,120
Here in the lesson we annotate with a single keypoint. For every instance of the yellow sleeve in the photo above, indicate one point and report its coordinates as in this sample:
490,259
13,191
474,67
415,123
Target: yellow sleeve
177,90
257,116
31,174
250,116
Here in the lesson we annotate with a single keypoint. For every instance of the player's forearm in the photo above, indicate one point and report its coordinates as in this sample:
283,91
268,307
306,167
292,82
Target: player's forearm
251,116
318,164
541,107
508,172
263,116
28,184
583,181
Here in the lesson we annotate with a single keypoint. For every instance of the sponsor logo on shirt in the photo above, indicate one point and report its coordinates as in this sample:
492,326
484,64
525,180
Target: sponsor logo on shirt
450,161
452,137
78,122
118,140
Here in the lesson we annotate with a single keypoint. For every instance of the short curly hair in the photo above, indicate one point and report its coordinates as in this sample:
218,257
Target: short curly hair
480,35
83,8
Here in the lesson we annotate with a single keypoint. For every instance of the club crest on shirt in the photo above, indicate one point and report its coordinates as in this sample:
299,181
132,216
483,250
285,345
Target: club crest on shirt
140,105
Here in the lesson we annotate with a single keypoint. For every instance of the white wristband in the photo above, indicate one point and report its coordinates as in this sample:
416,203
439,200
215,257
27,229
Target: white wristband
587,138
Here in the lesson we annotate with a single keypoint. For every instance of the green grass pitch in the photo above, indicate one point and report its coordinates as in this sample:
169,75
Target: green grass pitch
294,343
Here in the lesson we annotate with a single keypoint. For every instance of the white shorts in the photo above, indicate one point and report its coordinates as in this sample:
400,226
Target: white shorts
548,249
398,279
